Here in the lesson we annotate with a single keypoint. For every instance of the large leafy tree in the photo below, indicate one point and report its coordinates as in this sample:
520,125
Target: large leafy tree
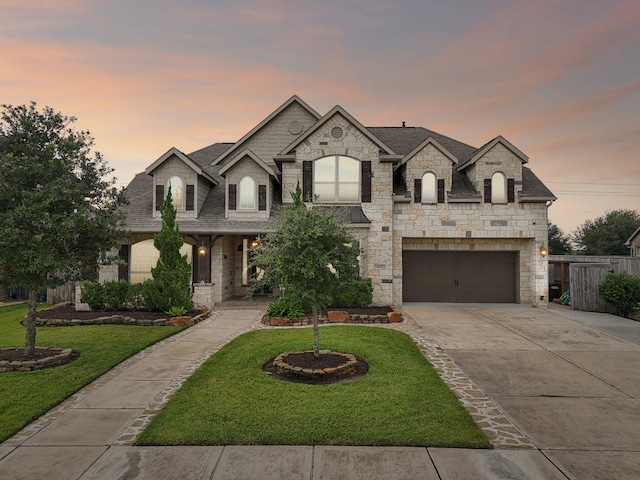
59,207
309,255
559,243
607,234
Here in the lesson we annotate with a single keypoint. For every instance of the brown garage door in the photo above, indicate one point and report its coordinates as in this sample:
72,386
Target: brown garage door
459,276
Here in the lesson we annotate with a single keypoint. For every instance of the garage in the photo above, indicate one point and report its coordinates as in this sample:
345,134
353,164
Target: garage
455,276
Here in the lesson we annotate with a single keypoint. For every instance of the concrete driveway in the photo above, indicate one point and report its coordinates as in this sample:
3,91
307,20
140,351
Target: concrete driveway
569,380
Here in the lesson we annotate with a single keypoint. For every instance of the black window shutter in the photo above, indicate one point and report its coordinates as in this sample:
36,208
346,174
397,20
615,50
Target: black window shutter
262,197
487,190
511,192
365,167
232,196
307,181
441,190
417,190
159,196
190,197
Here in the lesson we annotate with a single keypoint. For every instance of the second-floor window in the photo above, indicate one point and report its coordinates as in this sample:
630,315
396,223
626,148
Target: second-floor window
429,188
177,191
498,188
247,187
336,179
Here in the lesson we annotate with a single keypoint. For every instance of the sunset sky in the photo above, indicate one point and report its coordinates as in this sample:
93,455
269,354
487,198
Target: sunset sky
560,79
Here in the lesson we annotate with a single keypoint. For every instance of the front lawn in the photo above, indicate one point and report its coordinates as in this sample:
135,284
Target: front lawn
400,401
26,395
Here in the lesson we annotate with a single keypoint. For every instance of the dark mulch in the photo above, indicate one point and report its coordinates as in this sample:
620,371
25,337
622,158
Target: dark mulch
308,360
17,354
68,312
363,311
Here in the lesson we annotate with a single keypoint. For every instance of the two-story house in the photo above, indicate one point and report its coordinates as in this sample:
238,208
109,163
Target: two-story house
437,220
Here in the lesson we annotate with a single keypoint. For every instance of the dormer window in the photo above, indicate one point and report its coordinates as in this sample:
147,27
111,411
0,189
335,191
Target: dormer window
247,195
177,191
498,188
336,179
429,188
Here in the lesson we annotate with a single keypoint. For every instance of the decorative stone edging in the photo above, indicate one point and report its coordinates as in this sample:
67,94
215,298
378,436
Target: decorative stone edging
58,356
185,321
333,316
346,368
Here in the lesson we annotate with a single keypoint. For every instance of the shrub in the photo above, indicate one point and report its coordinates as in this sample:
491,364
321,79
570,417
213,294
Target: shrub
287,308
116,295
92,293
161,298
176,311
355,293
622,291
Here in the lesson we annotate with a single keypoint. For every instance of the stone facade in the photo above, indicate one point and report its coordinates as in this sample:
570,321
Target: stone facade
274,153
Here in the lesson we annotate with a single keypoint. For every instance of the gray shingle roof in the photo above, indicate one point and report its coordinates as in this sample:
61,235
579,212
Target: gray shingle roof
533,188
404,139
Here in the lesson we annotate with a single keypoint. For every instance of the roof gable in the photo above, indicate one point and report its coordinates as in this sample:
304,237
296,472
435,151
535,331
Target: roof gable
488,146
173,151
337,110
632,237
238,145
436,144
244,154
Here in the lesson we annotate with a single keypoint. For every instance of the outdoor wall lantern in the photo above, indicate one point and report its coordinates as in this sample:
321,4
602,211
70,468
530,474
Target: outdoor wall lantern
202,250
255,243
543,250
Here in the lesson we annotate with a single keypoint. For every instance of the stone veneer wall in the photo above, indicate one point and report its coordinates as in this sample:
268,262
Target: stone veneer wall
355,144
468,226
247,167
222,270
498,159
429,159
203,295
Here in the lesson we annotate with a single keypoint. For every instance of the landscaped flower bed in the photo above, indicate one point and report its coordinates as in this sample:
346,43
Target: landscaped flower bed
347,315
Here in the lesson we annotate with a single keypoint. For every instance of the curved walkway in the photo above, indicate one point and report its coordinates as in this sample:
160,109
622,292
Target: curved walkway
91,434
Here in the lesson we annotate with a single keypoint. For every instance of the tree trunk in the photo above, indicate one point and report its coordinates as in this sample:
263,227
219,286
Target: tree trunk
30,338
316,332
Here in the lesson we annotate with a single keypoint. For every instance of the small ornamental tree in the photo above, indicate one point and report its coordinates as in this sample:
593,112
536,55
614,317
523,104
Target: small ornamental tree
622,291
172,273
309,254
59,210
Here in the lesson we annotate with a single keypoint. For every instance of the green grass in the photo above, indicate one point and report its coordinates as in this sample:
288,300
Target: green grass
400,401
26,395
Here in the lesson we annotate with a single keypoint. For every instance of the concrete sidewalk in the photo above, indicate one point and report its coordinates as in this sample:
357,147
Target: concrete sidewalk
510,364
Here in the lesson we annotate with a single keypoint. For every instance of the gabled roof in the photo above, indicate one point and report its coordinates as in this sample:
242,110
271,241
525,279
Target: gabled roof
255,129
404,139
184,158
488,146
337,110
436,144
533,190
243,154
633,235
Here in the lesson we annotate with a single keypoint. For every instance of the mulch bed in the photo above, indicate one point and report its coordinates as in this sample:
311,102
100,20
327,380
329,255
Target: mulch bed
68,312
307,360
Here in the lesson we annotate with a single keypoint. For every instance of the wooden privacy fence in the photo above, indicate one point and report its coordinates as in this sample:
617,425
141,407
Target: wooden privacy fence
587,273
63,293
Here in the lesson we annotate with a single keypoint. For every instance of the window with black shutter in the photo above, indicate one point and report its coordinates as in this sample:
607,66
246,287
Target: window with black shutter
262,197
159,196
232,196
307,181
441,190
190,204
487,190
417,190
511,190
365,167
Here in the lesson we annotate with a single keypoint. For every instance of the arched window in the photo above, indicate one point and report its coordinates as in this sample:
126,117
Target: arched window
177,190
429,188
336,179
247,187
498,188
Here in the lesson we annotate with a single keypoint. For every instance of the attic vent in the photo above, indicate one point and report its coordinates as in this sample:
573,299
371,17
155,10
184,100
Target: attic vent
337,133
295,127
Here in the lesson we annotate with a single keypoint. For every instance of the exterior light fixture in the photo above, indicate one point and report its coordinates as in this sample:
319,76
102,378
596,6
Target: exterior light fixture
255,243
202,250
543,250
